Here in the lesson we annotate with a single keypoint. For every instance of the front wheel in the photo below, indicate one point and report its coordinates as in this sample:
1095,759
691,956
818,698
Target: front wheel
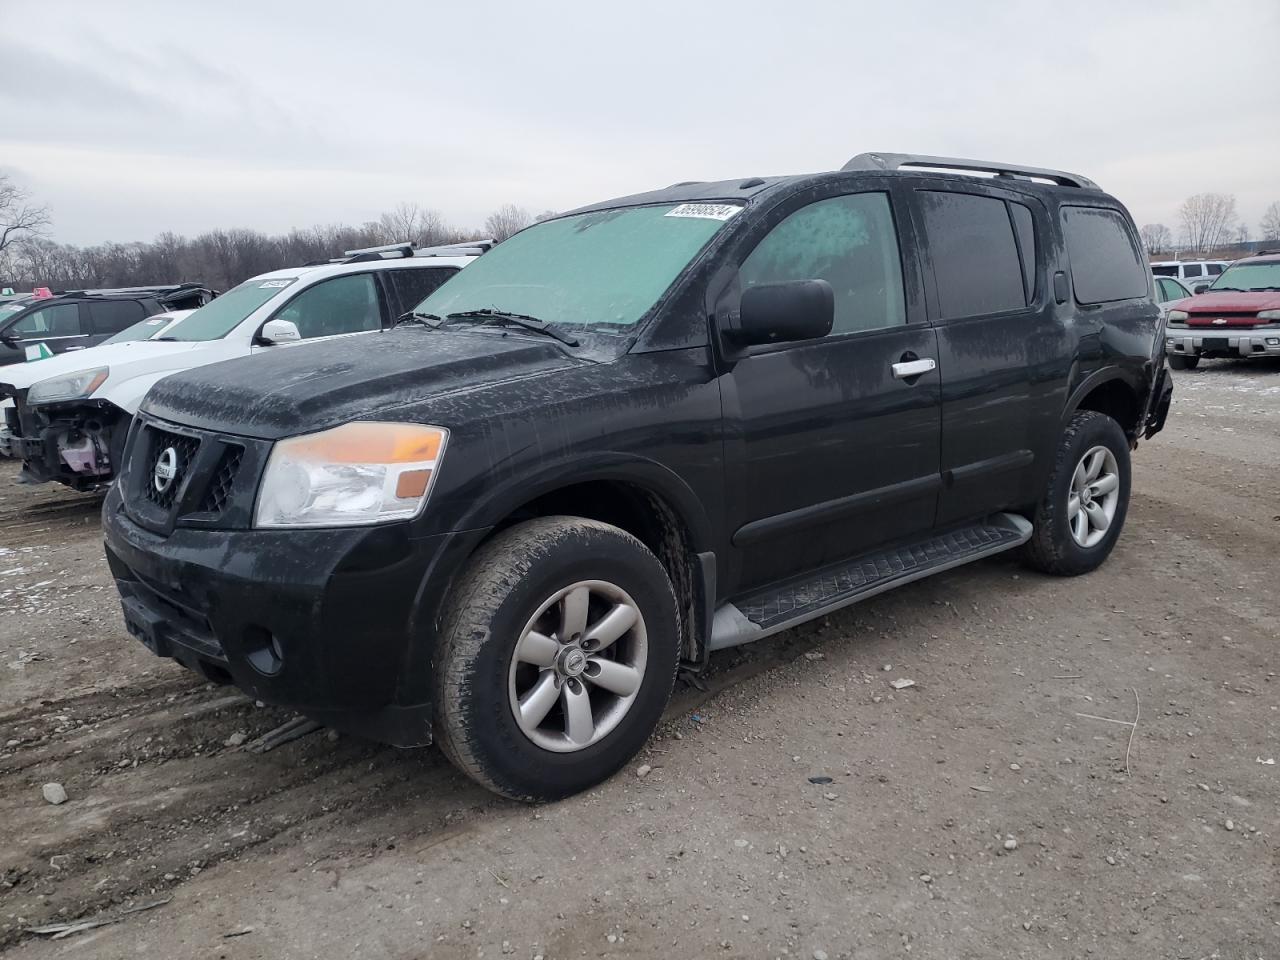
557,656
1183,361
1079,519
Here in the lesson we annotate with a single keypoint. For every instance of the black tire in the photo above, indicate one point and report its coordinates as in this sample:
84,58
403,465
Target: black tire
1052,549
1182,361
492,601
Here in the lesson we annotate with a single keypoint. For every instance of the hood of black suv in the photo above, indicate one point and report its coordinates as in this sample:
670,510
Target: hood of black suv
285,391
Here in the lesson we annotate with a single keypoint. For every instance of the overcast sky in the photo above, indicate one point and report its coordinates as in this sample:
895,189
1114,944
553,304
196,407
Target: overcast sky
131,118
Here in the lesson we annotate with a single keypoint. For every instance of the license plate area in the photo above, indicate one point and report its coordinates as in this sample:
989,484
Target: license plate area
1215,343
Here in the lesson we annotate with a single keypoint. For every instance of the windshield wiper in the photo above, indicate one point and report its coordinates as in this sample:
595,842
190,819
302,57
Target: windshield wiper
1230,289
488,315
426,319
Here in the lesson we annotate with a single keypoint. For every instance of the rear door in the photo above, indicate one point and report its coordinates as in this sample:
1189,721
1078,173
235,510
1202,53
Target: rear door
408,287
108,317
987,301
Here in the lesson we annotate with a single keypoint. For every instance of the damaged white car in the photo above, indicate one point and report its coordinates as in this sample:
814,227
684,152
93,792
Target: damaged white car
69,415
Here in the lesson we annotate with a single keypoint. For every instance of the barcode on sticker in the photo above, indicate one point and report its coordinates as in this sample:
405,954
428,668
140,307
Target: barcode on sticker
706,211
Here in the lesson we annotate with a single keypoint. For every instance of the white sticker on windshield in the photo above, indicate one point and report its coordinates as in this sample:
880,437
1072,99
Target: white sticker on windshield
273,283
705,211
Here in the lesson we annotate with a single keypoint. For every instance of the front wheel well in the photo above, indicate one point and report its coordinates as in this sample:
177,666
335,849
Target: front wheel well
1118,401
650,519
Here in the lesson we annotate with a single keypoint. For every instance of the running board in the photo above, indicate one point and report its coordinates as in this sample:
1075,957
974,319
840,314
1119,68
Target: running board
766,612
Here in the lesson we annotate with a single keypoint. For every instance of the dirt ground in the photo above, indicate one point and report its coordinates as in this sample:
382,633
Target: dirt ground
1158,840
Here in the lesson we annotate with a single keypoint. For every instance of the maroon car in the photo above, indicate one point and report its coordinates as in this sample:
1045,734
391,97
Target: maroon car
1238,316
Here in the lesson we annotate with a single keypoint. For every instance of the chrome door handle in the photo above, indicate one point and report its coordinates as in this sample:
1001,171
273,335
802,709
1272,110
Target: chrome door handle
913,368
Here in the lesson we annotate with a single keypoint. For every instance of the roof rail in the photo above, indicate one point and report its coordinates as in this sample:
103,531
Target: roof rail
467,248
402,249
896,161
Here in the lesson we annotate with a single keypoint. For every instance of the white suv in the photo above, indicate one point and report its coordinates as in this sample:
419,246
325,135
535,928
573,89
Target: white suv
1190,272
71,412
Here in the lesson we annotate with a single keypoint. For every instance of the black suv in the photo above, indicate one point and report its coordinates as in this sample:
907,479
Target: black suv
75,319
637,433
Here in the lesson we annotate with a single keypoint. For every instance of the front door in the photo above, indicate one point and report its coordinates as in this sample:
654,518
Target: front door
832,444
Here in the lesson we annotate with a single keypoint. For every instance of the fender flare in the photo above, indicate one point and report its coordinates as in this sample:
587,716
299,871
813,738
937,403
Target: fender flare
654,478
1094,380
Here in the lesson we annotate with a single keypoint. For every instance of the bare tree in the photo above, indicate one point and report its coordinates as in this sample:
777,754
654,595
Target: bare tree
546,215
506,220
20,219
1157,237
1208,220
1269,228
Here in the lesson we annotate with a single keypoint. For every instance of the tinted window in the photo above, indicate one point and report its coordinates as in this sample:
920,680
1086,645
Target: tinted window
1165,271
1106,261
1191,269
1023,223
848,241
342,305
62,320
414,286
112,316
1214,269
975,261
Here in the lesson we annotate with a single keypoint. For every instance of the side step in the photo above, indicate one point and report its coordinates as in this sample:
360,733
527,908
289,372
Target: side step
766,612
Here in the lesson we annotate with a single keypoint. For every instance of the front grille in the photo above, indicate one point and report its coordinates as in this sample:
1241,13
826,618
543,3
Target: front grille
219,492
184,449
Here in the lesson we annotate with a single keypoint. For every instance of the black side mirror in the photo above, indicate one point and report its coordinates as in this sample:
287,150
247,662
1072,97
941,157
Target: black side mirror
11,340
1199,288
780,312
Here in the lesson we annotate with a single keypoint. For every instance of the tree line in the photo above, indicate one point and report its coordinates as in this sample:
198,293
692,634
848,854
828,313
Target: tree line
1209,222
218,258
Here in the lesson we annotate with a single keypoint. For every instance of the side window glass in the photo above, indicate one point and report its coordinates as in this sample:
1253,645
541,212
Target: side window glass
975,261
1106,261
342,305
1191,270
112,316
850,242
1215,269
414,286
1024,223
62,320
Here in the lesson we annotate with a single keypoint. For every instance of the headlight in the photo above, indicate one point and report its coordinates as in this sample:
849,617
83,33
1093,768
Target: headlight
1177,316
359,473
74,386
1269,314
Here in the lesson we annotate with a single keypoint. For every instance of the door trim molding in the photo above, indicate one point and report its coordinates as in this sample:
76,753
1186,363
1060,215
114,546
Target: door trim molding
780,523
1014,460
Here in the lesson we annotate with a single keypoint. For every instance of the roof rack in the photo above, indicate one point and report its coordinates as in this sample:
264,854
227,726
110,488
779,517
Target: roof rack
468,248
402,249
896,161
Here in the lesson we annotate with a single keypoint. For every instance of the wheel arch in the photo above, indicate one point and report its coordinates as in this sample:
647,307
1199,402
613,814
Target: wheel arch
1110,391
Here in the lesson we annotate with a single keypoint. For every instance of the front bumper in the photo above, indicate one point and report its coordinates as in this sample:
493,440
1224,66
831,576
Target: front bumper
1222,342
337,624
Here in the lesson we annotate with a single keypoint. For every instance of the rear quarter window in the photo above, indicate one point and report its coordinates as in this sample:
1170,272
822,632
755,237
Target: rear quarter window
1106,261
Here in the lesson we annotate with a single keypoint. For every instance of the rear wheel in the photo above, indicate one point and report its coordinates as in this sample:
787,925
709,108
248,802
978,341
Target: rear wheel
1182,361
1080,517
557,656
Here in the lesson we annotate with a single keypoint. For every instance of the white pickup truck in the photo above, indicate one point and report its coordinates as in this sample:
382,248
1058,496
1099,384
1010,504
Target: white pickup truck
70,413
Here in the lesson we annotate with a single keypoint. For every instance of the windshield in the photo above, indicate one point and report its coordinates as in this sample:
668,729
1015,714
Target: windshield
219,317
1250,276
603,269
141,330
